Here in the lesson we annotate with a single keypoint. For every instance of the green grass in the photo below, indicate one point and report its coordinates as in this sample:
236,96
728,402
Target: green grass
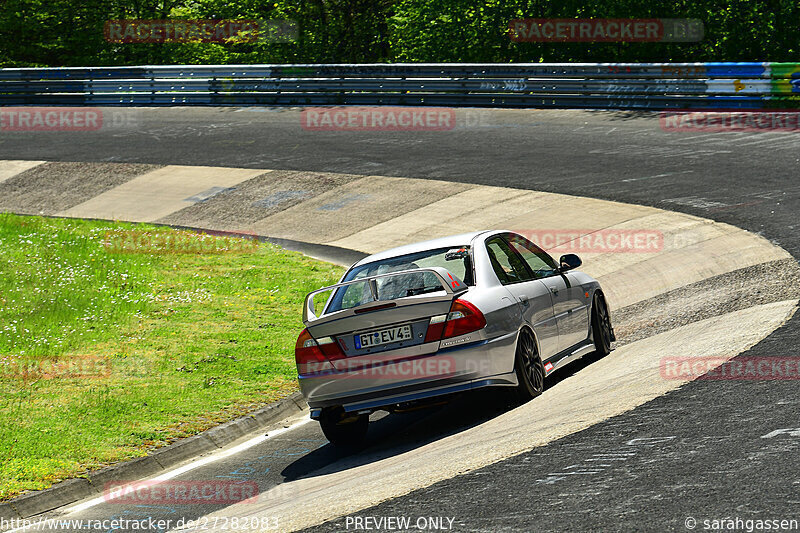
151,346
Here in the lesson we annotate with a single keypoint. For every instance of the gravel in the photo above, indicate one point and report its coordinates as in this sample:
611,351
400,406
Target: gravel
768,282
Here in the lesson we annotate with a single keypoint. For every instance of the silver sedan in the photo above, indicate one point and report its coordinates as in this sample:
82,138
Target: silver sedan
488,308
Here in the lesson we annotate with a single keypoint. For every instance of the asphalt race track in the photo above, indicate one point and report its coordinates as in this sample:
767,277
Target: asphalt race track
709,450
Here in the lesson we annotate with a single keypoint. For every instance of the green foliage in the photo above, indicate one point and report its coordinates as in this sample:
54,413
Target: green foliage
69,33
105,353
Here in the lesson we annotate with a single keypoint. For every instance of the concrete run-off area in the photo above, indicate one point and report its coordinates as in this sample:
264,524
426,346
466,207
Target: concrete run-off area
651,262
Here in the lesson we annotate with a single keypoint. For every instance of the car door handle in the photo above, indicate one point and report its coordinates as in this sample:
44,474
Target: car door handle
554,291
523,299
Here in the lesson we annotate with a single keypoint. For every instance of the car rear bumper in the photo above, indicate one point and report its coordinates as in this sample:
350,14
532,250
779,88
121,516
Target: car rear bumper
480,364
380,401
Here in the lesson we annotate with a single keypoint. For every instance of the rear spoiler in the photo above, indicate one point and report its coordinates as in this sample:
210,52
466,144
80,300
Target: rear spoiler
451,284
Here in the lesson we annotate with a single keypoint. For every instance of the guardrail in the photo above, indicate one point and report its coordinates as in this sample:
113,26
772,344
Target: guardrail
579,85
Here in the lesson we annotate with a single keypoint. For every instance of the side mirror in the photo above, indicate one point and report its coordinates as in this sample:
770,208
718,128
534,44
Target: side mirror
569,261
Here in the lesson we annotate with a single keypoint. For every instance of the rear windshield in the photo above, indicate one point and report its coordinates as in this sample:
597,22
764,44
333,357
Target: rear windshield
405,285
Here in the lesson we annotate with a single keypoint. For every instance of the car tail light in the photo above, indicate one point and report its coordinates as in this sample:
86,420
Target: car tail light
463,318
435,328
308,350
330,348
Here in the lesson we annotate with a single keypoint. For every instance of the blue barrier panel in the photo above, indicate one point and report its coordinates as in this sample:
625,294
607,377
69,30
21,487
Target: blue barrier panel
736,70
579,85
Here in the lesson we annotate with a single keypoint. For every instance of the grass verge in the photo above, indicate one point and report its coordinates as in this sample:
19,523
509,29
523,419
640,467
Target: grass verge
116,338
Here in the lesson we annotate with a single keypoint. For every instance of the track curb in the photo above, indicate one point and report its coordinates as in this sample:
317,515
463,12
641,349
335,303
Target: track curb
517,210
324,252
74,490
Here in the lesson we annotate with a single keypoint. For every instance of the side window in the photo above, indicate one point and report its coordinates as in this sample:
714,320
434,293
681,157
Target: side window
540,263
506,264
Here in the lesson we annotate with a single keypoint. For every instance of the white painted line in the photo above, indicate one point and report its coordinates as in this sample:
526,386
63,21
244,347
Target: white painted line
628,377
199,462
185,468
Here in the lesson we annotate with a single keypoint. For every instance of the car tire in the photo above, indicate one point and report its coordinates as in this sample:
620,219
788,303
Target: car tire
602,332
343,431
529,368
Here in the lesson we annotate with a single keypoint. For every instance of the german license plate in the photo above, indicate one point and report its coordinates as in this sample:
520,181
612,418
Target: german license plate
383,336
